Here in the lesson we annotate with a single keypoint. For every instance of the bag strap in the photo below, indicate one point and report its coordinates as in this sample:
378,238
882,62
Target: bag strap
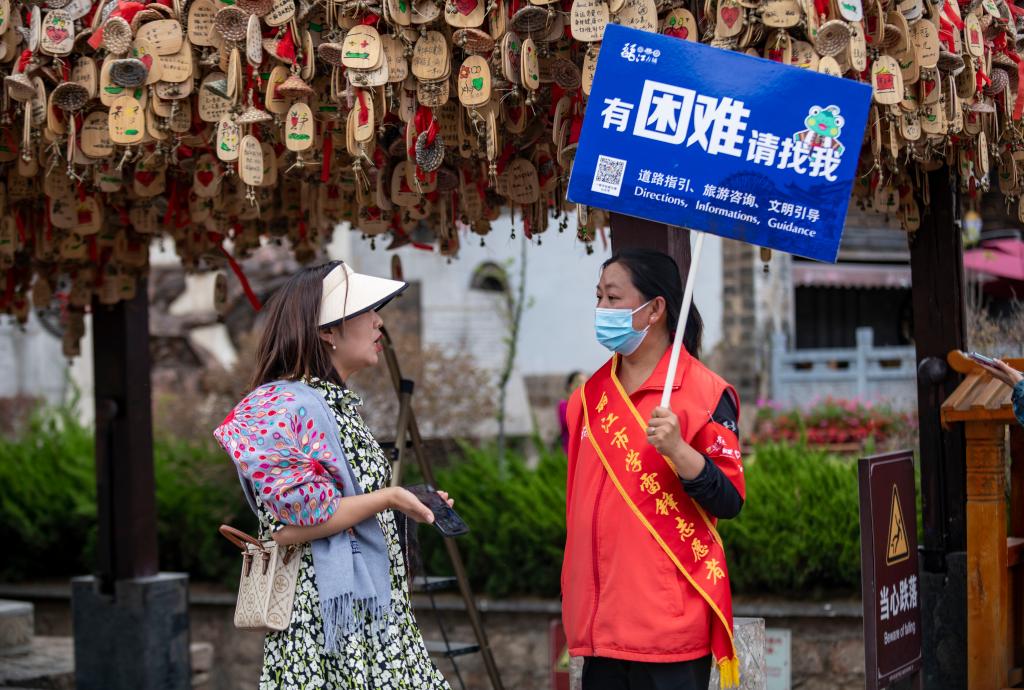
239,538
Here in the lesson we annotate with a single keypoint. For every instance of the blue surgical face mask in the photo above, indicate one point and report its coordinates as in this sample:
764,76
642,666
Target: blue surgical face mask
614,328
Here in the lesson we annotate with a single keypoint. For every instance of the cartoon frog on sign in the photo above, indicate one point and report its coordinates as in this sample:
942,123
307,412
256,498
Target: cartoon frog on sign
824,125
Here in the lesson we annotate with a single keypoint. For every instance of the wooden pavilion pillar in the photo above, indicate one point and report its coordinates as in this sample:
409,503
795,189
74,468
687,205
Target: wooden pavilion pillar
130,622
988,590
995,599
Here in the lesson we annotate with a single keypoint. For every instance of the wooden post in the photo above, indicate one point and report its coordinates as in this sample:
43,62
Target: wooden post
628,232
126,490
987,581
936,261
1016,574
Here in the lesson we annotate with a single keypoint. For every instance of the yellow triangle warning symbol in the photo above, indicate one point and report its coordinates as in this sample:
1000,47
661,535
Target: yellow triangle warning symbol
898,548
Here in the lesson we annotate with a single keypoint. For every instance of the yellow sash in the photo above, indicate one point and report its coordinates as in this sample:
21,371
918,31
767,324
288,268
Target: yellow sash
648,484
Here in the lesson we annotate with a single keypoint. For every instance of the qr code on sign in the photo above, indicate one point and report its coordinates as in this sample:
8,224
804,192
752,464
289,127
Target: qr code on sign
608,175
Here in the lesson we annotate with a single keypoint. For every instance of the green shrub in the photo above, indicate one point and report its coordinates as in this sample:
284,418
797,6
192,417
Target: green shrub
799,529
798,532
517,521
197,490
48,505
48,501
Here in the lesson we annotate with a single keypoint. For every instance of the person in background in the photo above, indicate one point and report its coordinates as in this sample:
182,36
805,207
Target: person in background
572,382
645,589
1012,378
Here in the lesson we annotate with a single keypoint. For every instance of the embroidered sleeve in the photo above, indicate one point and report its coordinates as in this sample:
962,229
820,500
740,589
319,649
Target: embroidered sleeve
280,448
719,488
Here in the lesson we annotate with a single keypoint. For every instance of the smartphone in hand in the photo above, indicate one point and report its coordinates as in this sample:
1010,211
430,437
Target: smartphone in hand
982,359
446,519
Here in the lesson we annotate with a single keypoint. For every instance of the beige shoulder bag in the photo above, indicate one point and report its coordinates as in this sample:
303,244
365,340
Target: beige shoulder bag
266,589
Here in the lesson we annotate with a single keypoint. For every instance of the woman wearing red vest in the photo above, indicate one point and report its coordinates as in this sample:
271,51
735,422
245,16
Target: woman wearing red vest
645,589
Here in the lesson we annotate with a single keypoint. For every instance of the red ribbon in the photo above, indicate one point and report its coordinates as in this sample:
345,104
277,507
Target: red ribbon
9,290
23,60
125,10
218,239
325,166
364,112
981,79
370,19
20,222
286,46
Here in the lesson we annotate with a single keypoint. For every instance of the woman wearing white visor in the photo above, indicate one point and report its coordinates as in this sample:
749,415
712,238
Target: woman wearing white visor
316,478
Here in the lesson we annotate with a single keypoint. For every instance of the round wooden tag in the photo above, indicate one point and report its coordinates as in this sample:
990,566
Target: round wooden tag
680,23
430,57
177,67
729,21
639,14
464,14
201,16
58,33
910,125
281,13
250,161
228,139
394,54
589,67
127,122
86,74
94,138
165,36
213,107
474,81
361,48
857,51
529,67
588,19
269,165
781,14
274,102
973,35
298,127
143,51
35,22
851,10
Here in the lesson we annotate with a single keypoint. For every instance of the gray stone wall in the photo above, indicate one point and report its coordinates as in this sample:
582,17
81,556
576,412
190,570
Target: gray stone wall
827,639
736,357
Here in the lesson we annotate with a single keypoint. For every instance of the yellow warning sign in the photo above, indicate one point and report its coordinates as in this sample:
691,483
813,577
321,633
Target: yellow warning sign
898,548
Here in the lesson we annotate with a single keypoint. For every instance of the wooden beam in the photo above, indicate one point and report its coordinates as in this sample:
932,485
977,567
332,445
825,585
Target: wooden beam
126,492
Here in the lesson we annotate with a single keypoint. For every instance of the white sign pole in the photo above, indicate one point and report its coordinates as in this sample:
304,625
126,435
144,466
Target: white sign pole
684,315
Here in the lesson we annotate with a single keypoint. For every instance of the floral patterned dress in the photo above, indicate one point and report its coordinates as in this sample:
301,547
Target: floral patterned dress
390,659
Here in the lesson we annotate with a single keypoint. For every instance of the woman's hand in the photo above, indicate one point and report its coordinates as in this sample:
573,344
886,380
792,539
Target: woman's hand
402,499
1003,371
663,433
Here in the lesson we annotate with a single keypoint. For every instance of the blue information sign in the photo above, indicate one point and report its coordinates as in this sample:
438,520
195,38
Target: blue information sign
719,141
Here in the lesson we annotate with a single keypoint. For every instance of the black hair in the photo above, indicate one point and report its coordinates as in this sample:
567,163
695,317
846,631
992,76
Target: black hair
656,274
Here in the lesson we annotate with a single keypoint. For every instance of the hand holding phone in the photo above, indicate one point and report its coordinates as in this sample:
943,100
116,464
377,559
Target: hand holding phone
446,519
982,359
997,368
